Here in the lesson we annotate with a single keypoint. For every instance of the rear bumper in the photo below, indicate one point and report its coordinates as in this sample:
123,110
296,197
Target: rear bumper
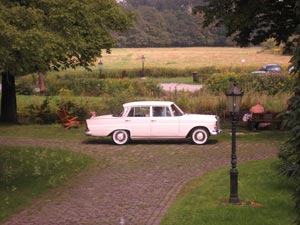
88,133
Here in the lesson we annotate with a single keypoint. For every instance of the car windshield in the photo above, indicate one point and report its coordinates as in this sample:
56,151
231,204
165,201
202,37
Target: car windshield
275,68
176,110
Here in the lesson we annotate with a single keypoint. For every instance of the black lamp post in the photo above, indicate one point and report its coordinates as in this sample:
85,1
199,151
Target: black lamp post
143,68
234,97
100,67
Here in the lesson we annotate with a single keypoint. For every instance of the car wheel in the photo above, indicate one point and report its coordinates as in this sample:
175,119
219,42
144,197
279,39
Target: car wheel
199,136
120,137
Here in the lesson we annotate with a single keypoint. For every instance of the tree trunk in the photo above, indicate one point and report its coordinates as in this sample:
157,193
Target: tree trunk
8,100
42,82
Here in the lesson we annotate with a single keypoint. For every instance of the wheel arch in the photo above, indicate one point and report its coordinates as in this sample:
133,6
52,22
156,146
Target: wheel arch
112,132
197,127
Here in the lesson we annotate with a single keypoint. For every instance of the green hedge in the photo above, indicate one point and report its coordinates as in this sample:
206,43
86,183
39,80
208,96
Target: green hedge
270,84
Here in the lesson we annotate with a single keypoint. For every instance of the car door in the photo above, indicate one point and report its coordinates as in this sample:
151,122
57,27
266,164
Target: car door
138,121
163,123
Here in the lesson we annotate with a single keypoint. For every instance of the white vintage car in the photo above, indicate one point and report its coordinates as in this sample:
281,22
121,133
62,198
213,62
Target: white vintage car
153,120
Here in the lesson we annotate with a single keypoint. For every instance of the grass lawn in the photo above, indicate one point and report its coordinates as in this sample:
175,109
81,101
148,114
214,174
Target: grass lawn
42,131
266,198
269,134
26,172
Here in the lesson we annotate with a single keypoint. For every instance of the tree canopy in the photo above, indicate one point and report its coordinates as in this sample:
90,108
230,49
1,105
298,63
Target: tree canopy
40,35
252,21
168,23
46,34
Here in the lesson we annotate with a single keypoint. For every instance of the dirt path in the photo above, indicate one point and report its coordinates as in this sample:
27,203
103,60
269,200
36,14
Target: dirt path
180,87
138,183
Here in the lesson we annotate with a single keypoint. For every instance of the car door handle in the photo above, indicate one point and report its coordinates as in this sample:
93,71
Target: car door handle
127,120
153,120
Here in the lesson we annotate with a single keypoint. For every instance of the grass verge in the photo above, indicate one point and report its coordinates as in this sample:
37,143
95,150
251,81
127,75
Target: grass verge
26,172
266,198
270,134
42,131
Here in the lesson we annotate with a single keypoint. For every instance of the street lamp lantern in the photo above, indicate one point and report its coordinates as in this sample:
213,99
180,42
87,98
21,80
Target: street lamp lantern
100,67
234,97
143,66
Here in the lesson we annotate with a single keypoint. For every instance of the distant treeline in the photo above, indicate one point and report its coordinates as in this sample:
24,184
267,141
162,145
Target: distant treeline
168,23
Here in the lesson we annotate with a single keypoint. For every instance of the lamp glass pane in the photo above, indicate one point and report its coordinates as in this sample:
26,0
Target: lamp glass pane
238,100
230,103
234,103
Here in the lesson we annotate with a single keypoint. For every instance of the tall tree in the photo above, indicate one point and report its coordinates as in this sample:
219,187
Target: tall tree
41,35
168,23
253,21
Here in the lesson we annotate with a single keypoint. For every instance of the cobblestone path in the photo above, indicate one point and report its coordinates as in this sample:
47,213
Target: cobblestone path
136,182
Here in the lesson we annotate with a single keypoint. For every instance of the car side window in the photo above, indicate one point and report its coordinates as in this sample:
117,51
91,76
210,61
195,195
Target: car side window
139,112
161,111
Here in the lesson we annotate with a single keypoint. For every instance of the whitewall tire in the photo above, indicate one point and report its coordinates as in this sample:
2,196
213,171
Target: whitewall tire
199,136
120,137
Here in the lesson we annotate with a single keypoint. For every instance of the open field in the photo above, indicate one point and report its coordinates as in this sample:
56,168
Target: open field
183,58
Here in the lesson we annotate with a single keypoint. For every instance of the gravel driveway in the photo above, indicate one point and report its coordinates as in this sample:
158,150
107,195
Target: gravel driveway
138,182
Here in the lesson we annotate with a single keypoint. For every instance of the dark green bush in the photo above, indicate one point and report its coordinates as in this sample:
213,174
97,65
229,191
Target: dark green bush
24,86
73,109
270,84
99,87
41,113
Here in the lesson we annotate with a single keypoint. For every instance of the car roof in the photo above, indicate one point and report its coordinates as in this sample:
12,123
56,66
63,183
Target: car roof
148,103
271,64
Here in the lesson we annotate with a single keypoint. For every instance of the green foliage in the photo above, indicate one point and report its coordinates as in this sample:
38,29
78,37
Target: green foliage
26,172
168,23
269,44
56,34
24,86
38,36
97,87
248,22
290,151
40,113
73,109
270,84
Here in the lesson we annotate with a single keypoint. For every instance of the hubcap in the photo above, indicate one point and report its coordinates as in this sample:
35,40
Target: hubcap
199,136
120,136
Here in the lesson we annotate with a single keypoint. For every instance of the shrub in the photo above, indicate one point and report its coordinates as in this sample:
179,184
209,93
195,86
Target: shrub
41,113
73,109
24,86
271,84
97,87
